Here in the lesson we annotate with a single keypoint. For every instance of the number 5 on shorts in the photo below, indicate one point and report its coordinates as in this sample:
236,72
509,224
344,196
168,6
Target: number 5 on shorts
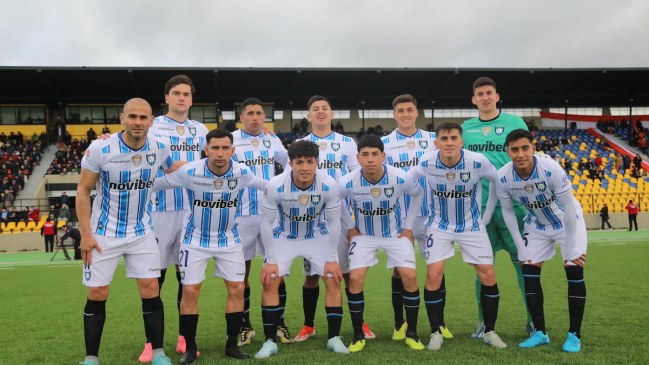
185,254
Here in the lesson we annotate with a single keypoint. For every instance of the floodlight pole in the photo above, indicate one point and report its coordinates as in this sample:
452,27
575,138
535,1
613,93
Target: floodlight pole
630,119
363,114
432,115
565,124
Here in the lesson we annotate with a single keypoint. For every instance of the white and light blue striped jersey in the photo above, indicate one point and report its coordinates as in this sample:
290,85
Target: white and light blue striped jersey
404,152
259,153
185,140
377,207
455,192
337,154
214,199
300,212
538,192
123,205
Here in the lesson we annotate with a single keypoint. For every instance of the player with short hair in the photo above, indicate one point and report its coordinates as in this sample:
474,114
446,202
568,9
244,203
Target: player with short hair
486,135
403,149
454,177
214,187
122,168
376,195
294,226
185,138
337,158
259,150
543,188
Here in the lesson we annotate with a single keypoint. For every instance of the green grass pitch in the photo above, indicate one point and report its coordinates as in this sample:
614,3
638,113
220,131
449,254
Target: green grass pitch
41,319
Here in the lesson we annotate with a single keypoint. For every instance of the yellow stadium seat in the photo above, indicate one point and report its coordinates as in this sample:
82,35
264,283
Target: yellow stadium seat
543,138
597,140
574,138
2,225
31,225
21,225
60,224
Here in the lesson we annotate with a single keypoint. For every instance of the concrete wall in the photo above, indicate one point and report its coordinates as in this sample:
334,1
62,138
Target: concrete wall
15,242
617,220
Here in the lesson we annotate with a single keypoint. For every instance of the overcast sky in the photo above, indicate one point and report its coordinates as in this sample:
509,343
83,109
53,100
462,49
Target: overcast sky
329,33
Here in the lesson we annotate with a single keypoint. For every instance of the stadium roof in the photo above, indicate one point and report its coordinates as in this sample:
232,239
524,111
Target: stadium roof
347,88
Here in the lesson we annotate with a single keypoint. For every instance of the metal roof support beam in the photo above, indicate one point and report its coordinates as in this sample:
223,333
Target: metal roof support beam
134,83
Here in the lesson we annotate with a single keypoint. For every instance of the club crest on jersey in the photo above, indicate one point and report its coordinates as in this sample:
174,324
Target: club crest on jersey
529,188
254,143
180,130
182,275
500,129
323,146
450,176
375,193
218,184
137,159
88,152
427,254
465,177
192,131
486,131
389,192
87,275
315,199
335,146
307,266
150,159
232,184
267,144
423,144
304,199
541,186
411,145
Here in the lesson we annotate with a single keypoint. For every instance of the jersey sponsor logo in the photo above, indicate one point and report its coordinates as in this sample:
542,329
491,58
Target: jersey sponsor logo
487,147
410,145
335,146
410,163
452,194
254,143
315,199
388,192
135,185
218,184
465,177
450,176
486,131
302,218
375,193
180,130
377,211
330,165
185,147
500,129
165,129
232,184
423,144
192,131
304,199
200,183
150,159
219,204
120,161
136,160
322,146
529,188
260,161
267,144
540,205
541,186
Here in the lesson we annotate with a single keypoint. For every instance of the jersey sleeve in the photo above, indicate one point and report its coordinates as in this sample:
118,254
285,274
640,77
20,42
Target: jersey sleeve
271,197
431,142
166,155
174,180
488,170
559,183
503,192
344,186
352,152
332,196
93,158
411,187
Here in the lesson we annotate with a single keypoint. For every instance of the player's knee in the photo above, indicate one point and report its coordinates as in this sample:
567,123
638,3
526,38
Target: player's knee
395,274
98,293
190,293
236,289
311,282
409,277
149,288
434,279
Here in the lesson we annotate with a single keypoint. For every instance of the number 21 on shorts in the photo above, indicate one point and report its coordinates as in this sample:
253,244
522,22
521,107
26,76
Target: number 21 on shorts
183,254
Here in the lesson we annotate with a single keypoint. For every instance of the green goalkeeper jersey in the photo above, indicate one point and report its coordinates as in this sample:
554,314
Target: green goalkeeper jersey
488,138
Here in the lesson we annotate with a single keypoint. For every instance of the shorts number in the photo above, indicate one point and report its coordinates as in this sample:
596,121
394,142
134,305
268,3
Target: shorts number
525,238
185,254
351,248
429,241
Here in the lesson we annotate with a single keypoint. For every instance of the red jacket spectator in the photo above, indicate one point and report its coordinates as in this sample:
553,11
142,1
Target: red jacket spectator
34,215
598,161
49,228
632,207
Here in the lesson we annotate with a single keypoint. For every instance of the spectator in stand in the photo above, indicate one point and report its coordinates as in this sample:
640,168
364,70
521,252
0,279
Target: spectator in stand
304,124
24,215
4,216
91,135
633,214
637,161
35,137
567,164
14,215
339,128
3,137
593,173
34,214
533,127
600,125
557,158
370,130
626,162
107,130
624,124
60,130
67,139
83,145
602,172
617,161
64,213
48,230
360,134
296,129
378,130
635,172
20,138
53,212
64,199
15,187
598,160
70,232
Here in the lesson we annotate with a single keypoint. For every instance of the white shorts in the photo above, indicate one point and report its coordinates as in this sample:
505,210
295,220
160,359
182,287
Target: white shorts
540,244
229,261
248,227
169,232
141,256
343,257
314,251
362,252
475,246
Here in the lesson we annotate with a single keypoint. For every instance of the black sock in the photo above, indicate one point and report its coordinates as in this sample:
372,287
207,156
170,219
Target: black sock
576,297
442,288
435,303
489,299
154,320
180,290
245,323
310,303
94,317
356,306
411,303
161,279
397,302
534,295
282,303
188,324
334,320
269,316
233,324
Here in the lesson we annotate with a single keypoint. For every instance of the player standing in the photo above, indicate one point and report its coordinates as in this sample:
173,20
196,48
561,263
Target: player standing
541,186
259,151
454,176
214,187
296,202
403,149
337,158
376,194
185,138
486,135
122,168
